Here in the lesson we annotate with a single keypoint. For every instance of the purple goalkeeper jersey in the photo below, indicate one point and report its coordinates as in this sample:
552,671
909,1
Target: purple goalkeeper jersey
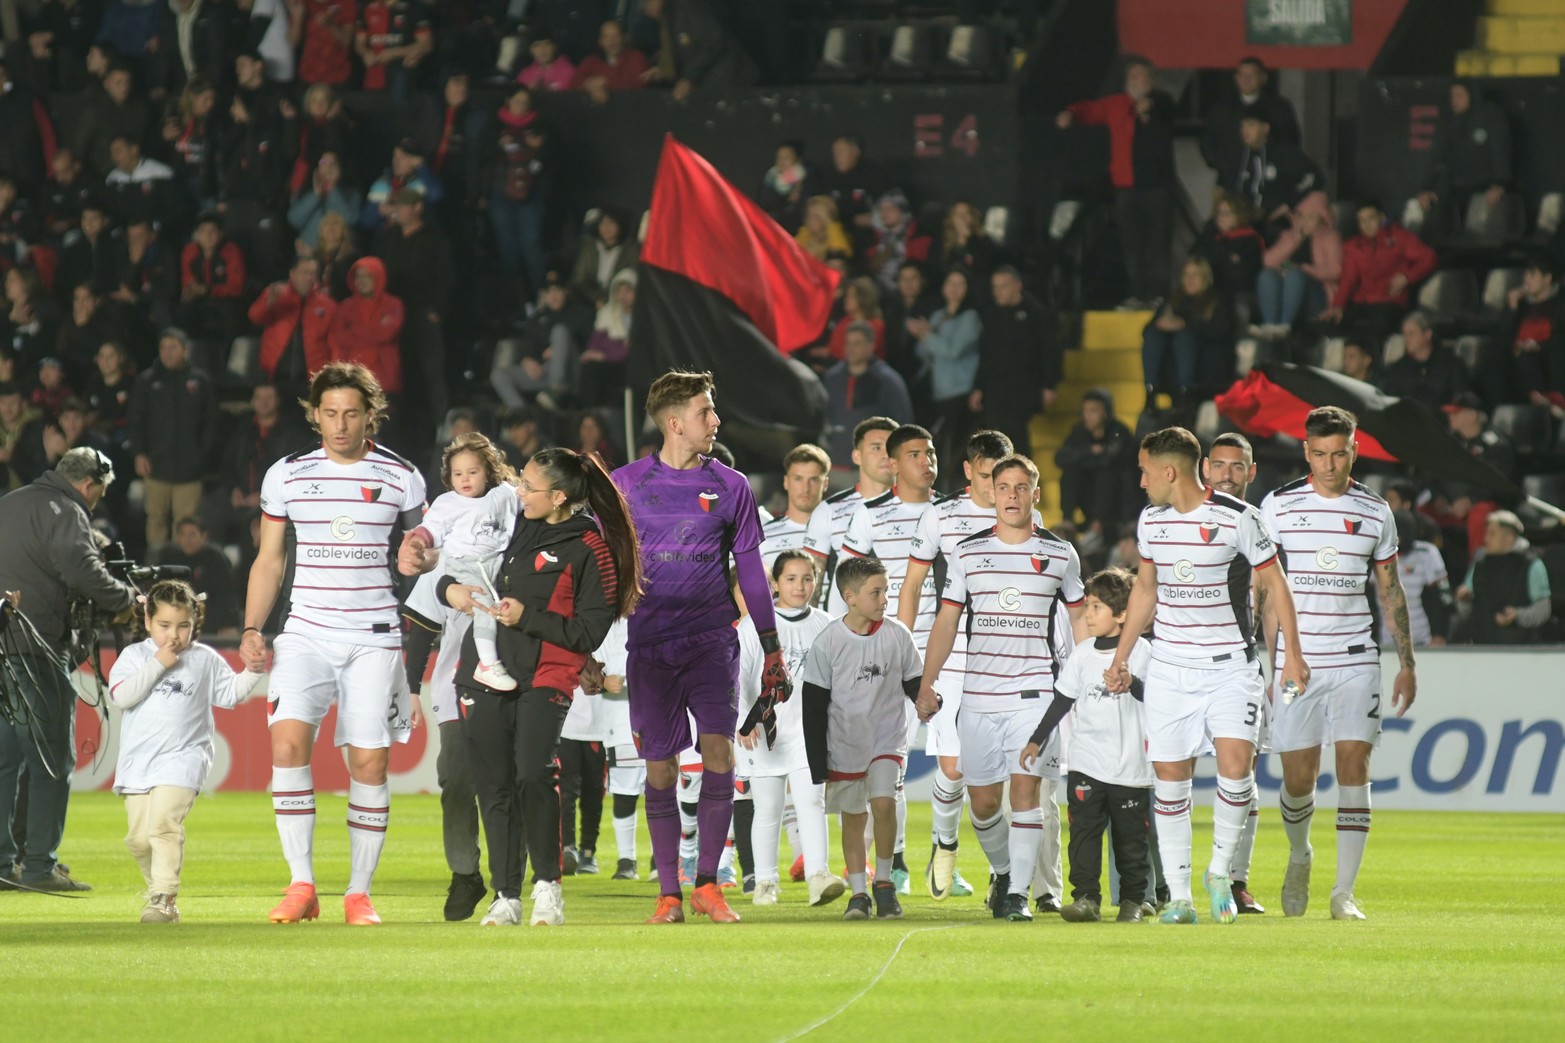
689,523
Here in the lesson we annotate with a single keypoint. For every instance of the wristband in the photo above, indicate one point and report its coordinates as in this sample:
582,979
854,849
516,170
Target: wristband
246,630
769,642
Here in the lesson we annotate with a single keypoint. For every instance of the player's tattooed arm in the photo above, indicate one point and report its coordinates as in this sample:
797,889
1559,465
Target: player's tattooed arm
1394,599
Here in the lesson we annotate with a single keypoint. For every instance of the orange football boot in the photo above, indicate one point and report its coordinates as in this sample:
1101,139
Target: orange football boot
707,900
299,903
671,909
358,911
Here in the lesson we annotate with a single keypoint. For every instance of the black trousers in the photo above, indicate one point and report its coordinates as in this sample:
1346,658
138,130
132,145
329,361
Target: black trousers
513,739
1098,492
582,765
1146,231
1093,805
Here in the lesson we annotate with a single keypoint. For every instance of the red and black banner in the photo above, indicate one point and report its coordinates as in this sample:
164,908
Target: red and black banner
1275,398
722,287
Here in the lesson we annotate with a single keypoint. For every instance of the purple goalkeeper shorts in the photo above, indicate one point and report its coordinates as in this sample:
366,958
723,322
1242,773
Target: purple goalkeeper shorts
698,675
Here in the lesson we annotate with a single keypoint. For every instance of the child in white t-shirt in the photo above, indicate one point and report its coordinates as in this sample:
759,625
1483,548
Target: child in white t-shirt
862,670
1108,776
167,685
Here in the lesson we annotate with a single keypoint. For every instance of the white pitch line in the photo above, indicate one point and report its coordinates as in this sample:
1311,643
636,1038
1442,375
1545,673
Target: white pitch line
851,1000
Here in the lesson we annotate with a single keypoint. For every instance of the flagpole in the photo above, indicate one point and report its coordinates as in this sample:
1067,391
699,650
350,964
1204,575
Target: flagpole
1545,507
630,426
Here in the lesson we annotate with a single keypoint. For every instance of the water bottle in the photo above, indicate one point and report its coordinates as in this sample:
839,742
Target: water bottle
1290,691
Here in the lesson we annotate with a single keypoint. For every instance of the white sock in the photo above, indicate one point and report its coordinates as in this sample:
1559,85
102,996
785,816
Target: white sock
790,825
293,805
1230,811
946,806
995,839
809,802
1296,815
1171,805
1352,835
769,793
1026,832
729,851
625,837
1246,849
882,870
858,883
488,653
369,810
687,833
901,844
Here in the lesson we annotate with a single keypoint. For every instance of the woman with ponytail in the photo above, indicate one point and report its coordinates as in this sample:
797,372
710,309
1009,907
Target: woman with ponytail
572,568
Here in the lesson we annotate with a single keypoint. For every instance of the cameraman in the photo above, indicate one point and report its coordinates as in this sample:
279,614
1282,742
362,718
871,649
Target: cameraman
49,556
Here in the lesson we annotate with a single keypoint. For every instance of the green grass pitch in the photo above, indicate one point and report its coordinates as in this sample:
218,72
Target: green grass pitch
1464,942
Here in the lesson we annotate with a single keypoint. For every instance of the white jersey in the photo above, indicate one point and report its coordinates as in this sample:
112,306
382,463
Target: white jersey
341,518
1205,561
779,534
1330,545
884,528
1010,594
823,538
473,526
1420,567
1105,735
583,721
616,710
865,674
796,634
166,739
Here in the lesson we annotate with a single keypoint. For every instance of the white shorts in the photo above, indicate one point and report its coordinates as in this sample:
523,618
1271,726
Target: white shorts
628,782
1338,706
1264,728
1188,707
992,745
367,685
852,796
940,738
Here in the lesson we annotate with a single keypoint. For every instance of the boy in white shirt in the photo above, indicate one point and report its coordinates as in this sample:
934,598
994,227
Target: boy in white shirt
1109,778
860,670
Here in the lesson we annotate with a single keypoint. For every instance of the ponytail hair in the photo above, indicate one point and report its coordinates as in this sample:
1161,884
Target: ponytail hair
174,592
585,483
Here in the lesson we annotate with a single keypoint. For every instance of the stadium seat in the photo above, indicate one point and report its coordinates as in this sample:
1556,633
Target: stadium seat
1554,563
912,53
847,55
1549,212
1374,482
1413,216
1449,293
641,226
1530,428
244,358
997,220
1497,286
970,54
1331,353
1550,488
1244,356
1344,217
1063,217
1394,349
1470,349
1507,220
1208,421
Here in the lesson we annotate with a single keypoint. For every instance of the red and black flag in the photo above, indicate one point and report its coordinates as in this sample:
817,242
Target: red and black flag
722,287
1275,398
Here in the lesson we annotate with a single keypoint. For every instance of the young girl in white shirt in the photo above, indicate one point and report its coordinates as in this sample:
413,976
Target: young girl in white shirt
167,684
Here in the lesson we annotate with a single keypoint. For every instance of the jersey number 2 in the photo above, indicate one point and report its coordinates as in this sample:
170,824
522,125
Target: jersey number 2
1374,709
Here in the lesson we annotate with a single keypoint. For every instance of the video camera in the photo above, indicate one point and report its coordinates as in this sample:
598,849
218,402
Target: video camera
86,620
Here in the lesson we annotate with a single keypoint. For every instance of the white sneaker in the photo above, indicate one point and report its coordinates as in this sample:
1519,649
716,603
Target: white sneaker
548,904
496,676
1296,887
1343,907
766,892
825,888
160,908
503,912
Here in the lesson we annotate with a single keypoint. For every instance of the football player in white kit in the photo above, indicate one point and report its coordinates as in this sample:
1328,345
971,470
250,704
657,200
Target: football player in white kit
884,527
829,522
1199,550
944,524
805,469
1005,585
341,503
1332,533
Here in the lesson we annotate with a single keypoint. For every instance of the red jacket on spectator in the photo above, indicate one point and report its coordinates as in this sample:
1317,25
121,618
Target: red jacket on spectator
223,274
279,311
1369,264
837,344
623,75
368,329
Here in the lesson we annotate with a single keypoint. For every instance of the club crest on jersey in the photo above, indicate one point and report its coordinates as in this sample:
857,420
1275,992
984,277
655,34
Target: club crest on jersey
1040,563
1208,533
708,501
543,560
371,493
1353,525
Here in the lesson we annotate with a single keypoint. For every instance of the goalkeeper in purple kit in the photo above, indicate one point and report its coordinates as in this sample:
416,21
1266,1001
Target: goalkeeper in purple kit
693,515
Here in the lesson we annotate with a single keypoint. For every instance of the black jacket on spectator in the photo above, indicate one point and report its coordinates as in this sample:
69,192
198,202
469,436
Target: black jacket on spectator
1493,449
704,52
454,138
855,191
1278,175
77,346
1152,146
101,120
1471,152
251,164
1510,374
1500,582
173,419
1221,145
28,133
84,260
60,206
253,449
1235,257
418,267
212,575
1433,382
1018,356
535,332
72,29
31,459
